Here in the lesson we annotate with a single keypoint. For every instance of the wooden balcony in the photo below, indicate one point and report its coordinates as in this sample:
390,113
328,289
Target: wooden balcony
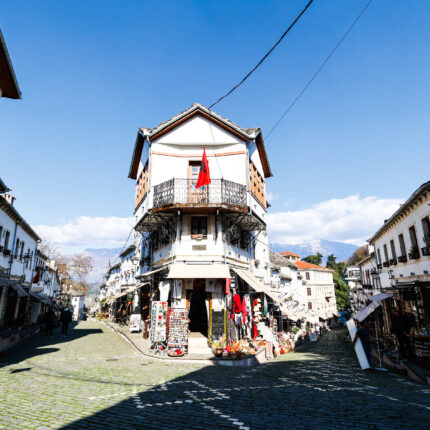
181,194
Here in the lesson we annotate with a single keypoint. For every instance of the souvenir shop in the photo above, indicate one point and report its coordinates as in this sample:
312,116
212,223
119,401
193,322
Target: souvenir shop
235,314
407,319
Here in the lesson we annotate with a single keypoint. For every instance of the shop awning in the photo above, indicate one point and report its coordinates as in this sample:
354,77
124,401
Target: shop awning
257,285
293,316
380,297
35,296
192,271
362,314
18,289
144,275
46,299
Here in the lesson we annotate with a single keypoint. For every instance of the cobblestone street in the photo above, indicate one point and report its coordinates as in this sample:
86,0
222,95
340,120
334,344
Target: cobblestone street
93,380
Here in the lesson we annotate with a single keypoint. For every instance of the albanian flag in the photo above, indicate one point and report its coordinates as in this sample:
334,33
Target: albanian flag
204,175
36,277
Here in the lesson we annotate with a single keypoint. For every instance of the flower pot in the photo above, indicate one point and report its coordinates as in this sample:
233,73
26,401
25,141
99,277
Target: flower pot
232,355
218,352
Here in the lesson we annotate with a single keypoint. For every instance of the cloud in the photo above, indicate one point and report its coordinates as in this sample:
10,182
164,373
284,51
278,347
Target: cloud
88,232
351,220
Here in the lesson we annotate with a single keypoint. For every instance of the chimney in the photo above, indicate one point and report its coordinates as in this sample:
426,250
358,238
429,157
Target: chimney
9,198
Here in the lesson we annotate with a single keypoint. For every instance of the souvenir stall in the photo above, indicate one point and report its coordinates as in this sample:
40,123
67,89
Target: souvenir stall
408,321
238,321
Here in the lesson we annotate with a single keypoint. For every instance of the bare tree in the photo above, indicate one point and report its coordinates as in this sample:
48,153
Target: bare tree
72,269
359,254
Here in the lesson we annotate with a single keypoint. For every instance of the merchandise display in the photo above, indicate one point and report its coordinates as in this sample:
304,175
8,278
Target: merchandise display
178,333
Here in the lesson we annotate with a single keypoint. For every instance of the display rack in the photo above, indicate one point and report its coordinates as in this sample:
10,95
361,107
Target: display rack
178,332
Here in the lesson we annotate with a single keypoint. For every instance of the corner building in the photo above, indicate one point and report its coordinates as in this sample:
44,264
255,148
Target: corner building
198,245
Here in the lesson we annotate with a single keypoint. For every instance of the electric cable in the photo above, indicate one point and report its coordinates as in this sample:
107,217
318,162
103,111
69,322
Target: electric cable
265,56
318,70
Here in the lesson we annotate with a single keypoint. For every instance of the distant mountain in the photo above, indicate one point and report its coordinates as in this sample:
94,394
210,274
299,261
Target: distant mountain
340,250
103,256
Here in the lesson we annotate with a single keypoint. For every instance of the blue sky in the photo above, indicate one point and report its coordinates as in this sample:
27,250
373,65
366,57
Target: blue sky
92,72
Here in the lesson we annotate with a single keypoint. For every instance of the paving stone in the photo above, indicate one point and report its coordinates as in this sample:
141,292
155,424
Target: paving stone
95,380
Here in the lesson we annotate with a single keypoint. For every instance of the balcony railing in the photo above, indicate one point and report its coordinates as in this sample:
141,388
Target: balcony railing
425,251
386,263
182,191
414,254
393,261
403,259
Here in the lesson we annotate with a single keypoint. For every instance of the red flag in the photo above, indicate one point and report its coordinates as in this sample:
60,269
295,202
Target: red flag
36,277
204,175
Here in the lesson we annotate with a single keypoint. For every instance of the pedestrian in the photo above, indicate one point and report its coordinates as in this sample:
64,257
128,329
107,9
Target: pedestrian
49,322
398,328
66,317
364,335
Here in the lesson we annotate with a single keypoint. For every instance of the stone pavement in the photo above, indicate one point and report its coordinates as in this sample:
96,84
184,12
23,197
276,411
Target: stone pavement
93,379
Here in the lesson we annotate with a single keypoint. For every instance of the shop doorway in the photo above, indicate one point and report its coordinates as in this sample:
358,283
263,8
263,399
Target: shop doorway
198,314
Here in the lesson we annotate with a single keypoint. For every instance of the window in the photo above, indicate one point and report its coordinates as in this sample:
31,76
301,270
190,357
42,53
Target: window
393,249
16,248
193,172
21,254
199,225
413,236
141,186
308,276
402,245
425,222
309,292
379,256
309,305
1,231
257,183
385,252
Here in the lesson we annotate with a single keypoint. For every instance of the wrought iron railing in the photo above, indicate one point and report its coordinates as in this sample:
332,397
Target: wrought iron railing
183,191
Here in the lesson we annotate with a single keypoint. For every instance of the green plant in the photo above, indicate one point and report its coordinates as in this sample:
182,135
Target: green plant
295,329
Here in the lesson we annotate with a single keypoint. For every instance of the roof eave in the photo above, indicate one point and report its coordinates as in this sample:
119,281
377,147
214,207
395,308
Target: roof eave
414,195
263,155
137,153
15,92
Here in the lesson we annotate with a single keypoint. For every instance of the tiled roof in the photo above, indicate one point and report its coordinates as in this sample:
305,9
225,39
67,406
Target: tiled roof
246,135
278,260
249,132
288,253
305,265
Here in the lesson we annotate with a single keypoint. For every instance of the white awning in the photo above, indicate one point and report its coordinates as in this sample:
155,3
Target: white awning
380,297
144,275
193,271
362,314
256,284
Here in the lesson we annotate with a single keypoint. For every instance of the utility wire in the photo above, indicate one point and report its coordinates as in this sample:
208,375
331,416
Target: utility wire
319,69
261,61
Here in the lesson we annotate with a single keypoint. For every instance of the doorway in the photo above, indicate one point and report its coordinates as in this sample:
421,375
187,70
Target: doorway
198,314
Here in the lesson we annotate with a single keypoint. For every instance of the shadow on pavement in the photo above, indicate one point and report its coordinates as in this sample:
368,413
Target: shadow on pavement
40,344
321,387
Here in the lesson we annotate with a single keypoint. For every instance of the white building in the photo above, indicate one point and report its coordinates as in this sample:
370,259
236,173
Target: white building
18,252
402,244
198,238
287,284
321,298
78,307
291,256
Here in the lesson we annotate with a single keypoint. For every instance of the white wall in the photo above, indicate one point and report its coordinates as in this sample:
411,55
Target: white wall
404,271
18,268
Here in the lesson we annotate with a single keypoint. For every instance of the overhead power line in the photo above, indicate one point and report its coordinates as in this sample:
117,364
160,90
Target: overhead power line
319,69
265,56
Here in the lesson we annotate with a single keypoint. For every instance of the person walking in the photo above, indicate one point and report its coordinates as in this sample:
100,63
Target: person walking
49,322
66,317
